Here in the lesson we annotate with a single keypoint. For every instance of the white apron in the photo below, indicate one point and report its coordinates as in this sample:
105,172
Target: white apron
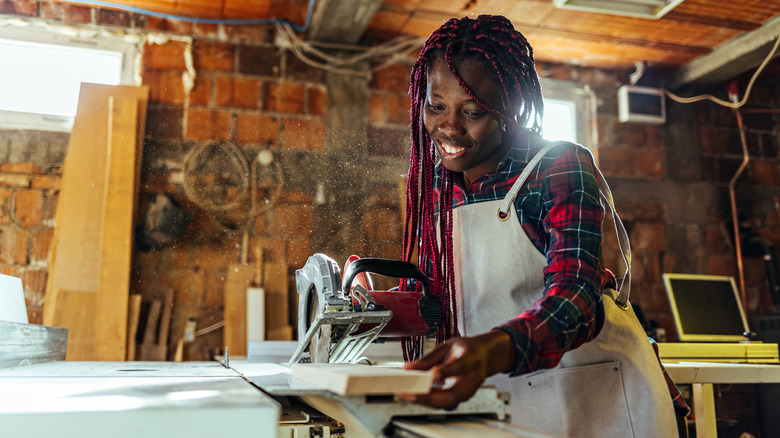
611,386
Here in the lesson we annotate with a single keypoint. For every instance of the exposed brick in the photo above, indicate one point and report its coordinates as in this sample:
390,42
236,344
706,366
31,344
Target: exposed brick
177,256
112,17
648,236
164,86
717,242
722,265
232,92
393,78
376,109
250,34
629,134
210,257
615,161
15,180
381,224
24,167
284,97
259,225
398,109
294,68
46,182
648,163
165,25
299,251
653,136
212,56
34,281
28,207
28,8
317,100
256,129
203,124
641,211
164,122
50,200
388,142
66,13
297,197
206,30
292,220
765,173
304,134
168,56
6,205
14,244
260,61
200,95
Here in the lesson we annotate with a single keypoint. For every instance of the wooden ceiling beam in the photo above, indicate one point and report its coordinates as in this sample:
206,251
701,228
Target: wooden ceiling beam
730,59
341,21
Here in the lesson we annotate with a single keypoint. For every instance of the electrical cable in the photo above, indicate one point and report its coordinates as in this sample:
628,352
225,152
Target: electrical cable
733,105
151,13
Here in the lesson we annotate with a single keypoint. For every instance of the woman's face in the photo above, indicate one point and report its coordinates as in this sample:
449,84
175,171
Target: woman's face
468,138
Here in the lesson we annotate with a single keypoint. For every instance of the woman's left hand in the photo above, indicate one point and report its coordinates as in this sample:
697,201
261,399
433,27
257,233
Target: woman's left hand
460,365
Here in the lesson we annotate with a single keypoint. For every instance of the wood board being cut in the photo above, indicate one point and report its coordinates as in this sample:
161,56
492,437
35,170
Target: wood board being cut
352,379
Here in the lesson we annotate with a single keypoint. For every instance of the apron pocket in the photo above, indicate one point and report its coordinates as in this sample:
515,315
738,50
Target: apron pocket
581,401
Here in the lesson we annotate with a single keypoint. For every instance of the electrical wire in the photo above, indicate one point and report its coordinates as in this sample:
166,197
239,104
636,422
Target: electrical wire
151,13
733,105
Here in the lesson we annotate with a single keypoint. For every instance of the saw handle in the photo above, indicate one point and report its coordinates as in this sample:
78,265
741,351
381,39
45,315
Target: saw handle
386,267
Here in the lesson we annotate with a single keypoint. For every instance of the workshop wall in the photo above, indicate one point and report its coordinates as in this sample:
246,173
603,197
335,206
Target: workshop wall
335,151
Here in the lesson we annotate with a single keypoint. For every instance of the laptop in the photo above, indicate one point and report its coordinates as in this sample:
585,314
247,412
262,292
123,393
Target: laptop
706,308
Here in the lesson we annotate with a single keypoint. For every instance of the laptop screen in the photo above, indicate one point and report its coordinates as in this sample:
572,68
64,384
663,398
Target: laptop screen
706,308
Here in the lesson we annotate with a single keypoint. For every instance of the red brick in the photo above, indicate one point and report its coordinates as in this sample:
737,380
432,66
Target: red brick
299,251
15,180
168,56
764,172
252,34
27,8
164,122
717,242
28,207
318,100
200,95
722,265
381,224
211,257
206,30
304,134
638,268
648,236
46,182
388,142
256,129
14,244
147,261
25,167
648,163
615,161
66,13
34,281
259,226
112,17
393,78
177,256
259,61
284,97
292,220
165,25
398,109
164,86
235,92
629,134
297,197
376,109
50,200
203,124
653,136
6,205
41,245
212,56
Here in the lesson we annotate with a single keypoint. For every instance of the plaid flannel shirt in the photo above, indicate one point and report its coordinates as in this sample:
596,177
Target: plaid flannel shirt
559,209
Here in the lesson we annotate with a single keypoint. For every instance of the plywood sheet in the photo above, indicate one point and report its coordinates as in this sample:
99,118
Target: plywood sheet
239,279
277,302
92,243
351,379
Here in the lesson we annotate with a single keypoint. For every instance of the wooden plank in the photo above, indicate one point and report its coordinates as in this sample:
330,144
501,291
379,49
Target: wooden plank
92,243
133,313
239,278
351,379
277,302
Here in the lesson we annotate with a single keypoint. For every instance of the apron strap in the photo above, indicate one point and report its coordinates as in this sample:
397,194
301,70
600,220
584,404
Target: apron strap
606,194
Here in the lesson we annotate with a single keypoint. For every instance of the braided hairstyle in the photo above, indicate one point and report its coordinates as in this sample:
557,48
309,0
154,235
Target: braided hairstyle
508,58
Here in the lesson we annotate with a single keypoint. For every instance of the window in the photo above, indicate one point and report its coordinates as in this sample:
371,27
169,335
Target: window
42,71
568,112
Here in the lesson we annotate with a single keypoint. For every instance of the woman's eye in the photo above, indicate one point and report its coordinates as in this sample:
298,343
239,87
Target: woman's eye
435,107
474,114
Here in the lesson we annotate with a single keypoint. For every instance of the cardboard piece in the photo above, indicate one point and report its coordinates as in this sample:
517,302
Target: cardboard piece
352,379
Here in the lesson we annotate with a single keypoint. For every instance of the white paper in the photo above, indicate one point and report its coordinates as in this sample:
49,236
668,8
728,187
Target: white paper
12,307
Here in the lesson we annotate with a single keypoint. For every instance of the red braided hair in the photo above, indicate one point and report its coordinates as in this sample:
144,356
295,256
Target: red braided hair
503,51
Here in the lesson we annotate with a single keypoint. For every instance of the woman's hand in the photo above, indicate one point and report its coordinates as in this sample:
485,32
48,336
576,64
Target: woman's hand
460,365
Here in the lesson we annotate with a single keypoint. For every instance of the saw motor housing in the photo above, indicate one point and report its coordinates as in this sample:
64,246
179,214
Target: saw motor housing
338,318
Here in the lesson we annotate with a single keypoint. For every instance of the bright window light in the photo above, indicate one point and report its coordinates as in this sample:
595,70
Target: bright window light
560,120
45,79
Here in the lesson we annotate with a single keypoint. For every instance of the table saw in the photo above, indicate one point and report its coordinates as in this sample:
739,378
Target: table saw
259,397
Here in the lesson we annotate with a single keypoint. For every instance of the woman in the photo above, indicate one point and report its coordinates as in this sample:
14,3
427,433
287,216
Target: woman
510,232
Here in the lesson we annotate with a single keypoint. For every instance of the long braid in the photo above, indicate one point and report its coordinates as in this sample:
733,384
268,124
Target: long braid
492,41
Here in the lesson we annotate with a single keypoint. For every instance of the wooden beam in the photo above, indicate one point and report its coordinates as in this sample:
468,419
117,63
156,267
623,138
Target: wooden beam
729,59
341,21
